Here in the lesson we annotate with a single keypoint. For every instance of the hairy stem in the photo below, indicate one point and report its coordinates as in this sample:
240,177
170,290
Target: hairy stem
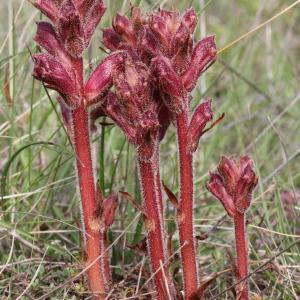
94,236
242,253
158,182
154,225
185,209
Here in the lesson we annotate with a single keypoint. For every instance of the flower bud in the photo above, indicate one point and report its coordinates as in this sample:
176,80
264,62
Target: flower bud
111,39
70,29
93,12
47,38
189,19
180,39
114,111
50,71
167,77
159,27
216,186
132,87
101,79
110,205
48,8
124,27
170,83
245,186
228,170
203,56
149,43
202,115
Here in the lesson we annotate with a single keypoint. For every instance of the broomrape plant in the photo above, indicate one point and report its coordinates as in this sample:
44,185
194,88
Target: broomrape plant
153,67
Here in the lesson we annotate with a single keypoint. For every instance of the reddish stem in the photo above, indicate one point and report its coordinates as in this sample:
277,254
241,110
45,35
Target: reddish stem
154,224
158,182
242,253
185,209
95,242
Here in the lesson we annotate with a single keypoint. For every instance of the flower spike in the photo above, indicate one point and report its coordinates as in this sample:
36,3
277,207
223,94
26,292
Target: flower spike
238,179
233,186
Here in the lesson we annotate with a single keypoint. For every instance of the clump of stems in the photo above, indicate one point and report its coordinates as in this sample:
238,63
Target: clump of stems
153,67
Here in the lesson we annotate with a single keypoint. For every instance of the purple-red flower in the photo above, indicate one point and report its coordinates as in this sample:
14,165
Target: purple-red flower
233,184
110,205
75,20
202,115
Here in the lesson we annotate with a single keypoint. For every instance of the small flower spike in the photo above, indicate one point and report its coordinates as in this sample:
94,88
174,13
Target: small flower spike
233,184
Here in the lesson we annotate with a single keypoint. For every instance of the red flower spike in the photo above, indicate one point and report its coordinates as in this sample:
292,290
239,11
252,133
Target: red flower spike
110,205
124,27
239,181
48,8
111,39
202,115
101,79
73,22
137,18
50,71
216,186
164,41
204,55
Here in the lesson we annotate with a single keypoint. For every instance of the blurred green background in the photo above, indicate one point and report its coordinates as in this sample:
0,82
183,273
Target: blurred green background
255,83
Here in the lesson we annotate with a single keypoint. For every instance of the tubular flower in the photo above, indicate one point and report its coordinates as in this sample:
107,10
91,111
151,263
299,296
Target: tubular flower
233,184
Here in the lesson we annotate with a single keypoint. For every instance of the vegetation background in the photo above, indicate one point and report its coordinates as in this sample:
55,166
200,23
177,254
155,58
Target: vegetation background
255,82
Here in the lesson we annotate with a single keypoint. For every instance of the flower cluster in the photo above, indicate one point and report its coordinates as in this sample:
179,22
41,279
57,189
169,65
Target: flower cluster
72,25
164,41
133,108
233,184
161,67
